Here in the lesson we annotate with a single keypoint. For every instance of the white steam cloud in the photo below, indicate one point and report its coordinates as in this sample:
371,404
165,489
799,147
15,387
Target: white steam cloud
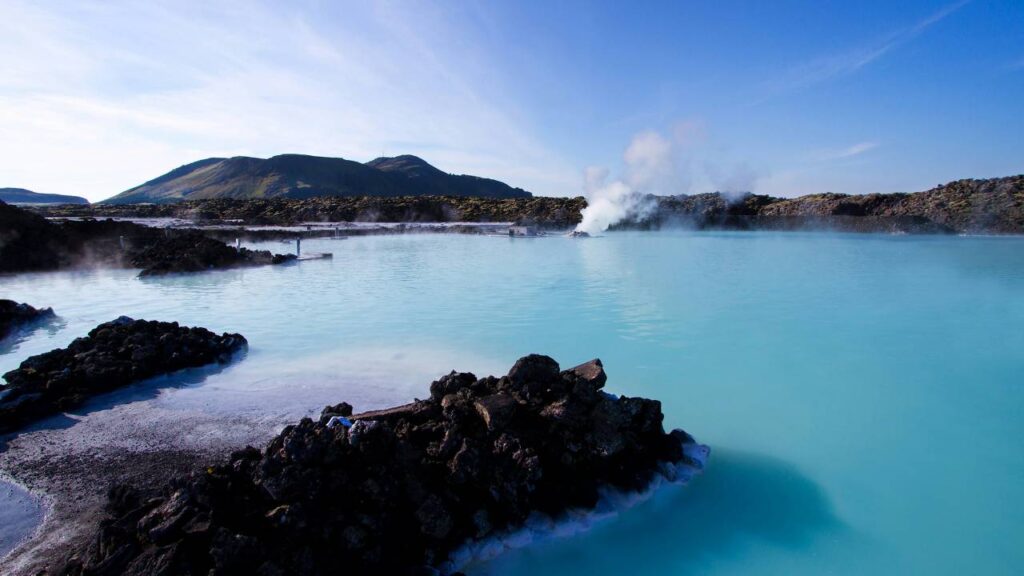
648,165
656,164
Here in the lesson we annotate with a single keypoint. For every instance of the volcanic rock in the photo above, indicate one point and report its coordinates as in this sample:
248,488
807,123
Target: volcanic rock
114,354
989,205
14,315
29,242
193,252
394,491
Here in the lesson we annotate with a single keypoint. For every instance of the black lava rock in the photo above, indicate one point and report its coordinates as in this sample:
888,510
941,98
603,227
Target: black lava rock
114,354
194,252
31,242
393,491
14,315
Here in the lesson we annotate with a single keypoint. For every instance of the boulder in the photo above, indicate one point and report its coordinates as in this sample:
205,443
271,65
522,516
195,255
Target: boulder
591,372
496,410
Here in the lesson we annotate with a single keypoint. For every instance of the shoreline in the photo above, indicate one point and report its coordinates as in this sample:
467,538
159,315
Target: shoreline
124,444
22,514
991,205
67,461
540,528
228,232
71,471
68,509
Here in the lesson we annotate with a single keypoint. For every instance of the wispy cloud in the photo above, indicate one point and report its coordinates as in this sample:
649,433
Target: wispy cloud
837,65
98,97
843,153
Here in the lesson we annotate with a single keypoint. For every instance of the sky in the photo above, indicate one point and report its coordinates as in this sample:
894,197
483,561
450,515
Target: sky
782,98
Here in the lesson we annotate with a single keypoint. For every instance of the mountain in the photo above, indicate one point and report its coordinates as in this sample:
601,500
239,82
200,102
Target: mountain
302,176
22,196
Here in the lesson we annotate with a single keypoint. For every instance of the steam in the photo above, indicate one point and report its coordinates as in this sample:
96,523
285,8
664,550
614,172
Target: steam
656,164
649,166
733,184
610,203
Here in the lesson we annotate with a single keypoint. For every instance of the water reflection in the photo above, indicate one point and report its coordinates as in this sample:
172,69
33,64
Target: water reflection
13,340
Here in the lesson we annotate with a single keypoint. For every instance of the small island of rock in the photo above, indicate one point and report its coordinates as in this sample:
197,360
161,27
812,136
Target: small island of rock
114,354
14,315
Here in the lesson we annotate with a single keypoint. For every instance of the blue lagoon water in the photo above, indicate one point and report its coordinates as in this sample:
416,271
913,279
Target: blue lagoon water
862,395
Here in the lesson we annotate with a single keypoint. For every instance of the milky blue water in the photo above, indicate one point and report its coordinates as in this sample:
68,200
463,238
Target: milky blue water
863,395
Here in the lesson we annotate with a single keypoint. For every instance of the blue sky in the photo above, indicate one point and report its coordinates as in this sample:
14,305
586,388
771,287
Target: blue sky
780,97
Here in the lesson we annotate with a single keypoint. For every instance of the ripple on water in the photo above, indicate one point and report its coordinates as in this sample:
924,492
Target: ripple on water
20,515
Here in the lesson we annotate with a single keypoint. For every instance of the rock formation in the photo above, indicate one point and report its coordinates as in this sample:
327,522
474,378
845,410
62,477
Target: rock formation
546,211
395,491
114,354
29,242
194,252
14,315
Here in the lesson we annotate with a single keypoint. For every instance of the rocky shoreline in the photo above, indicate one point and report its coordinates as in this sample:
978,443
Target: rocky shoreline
29,242
969,206
548,211
15,315
195,252
394,491
113,355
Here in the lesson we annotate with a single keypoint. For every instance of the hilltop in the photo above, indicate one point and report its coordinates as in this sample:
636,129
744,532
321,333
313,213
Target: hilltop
301,176
23,196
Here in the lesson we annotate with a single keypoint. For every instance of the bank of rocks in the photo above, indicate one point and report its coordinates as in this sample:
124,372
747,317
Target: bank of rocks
394,491
989,205
14,315
194,252
114,354
29,242
549,212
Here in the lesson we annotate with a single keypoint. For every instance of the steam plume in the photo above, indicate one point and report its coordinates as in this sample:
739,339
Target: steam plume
656,164
648,166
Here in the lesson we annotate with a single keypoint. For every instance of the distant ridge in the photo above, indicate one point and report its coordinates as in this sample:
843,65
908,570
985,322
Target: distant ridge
302,176
22,196
968,206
